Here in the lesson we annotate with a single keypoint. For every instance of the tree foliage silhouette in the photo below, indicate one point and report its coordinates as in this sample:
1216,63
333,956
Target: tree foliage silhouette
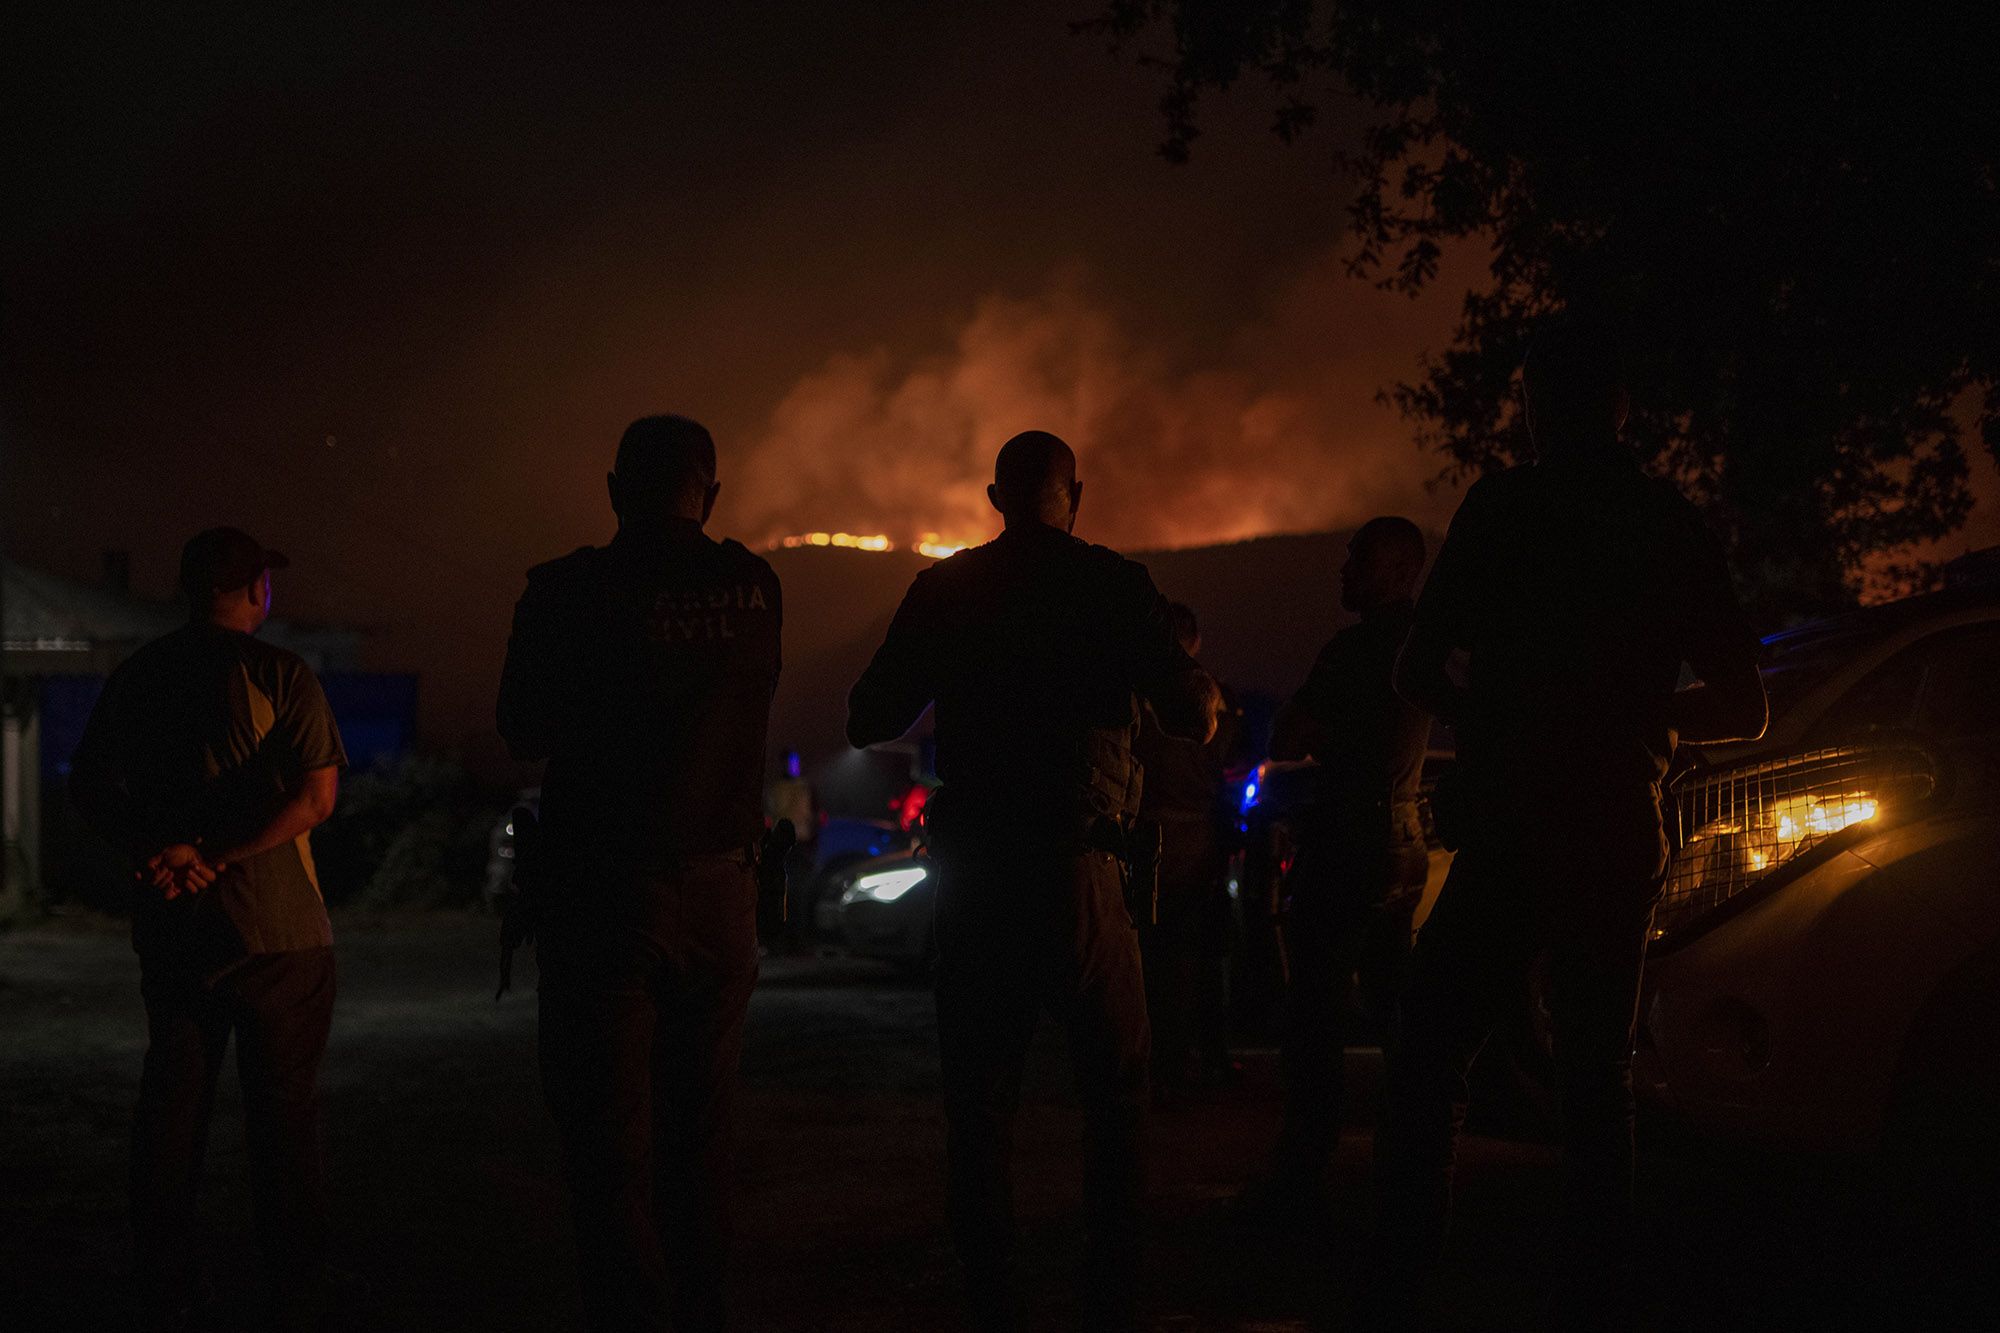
1793,212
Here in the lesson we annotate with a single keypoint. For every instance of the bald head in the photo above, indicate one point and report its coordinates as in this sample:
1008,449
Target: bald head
665,469
1034,481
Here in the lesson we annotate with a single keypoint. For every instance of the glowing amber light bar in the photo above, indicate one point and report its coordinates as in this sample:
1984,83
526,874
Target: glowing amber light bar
1806,817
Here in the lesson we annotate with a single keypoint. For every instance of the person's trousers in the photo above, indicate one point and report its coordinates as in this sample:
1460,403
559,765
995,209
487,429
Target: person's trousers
1019,935
643,994
1497,913
1336,933
1183,953
280,1008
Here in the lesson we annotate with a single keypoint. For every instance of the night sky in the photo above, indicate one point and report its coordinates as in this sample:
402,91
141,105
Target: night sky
383,287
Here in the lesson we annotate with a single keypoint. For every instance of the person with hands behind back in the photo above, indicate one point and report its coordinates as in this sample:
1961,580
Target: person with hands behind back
208,759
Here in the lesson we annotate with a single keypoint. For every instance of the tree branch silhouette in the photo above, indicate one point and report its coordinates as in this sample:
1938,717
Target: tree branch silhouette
1793,213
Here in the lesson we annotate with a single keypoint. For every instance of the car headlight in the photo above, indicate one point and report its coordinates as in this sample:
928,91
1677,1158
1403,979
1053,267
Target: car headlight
885,886
1743,823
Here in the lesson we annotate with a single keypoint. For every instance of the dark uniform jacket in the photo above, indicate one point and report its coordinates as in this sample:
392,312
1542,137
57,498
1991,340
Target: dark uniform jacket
1183,777
1368,741
201,737
1578,592
643,672
1033,648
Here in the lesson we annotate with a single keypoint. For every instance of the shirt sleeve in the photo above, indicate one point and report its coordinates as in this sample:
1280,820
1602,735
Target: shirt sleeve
308,719
1305,718
771,661
1452,594
901,680
1160,670
97,776
777,626
529,710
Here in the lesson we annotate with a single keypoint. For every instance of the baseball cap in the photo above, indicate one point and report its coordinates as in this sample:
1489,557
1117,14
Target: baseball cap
223,560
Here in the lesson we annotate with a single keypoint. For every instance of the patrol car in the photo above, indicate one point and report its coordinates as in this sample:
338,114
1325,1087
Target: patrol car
882,908
1825,972
842,843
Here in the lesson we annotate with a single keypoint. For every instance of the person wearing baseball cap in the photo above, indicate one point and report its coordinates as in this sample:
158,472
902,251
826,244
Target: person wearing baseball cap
208,759
224,560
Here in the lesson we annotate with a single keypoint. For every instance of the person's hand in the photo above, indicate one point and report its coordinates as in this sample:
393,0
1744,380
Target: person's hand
156,872
1214,706
172,870
180,868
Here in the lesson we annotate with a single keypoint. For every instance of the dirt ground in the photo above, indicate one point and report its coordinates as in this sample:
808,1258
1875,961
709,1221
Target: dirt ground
450,1212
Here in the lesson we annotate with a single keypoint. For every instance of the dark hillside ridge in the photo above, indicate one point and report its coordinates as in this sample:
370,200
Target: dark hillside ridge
1265,605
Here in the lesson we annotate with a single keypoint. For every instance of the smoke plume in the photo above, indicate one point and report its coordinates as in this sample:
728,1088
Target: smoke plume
1276,428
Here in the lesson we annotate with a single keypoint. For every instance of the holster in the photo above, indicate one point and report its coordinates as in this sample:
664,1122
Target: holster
1135,845
1111,778
1112,783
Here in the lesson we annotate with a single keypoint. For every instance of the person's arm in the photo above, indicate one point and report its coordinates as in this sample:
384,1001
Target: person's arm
777,599
1189,705
1297,732
97,779
1729,704
1292,732
1184,697
901,679
98,787
306,723
1423,677
304,810
1726,706
528,712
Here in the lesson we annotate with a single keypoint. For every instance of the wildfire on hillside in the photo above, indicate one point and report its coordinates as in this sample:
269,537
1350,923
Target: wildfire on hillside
930,544
1276,428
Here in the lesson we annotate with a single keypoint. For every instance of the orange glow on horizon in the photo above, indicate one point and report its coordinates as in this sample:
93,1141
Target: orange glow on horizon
873,542
930,544
937,548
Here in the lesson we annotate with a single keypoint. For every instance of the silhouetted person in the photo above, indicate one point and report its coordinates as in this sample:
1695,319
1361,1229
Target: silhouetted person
1360,863
1577,589
642,671
1183,951
790,796
1034,649
208,759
